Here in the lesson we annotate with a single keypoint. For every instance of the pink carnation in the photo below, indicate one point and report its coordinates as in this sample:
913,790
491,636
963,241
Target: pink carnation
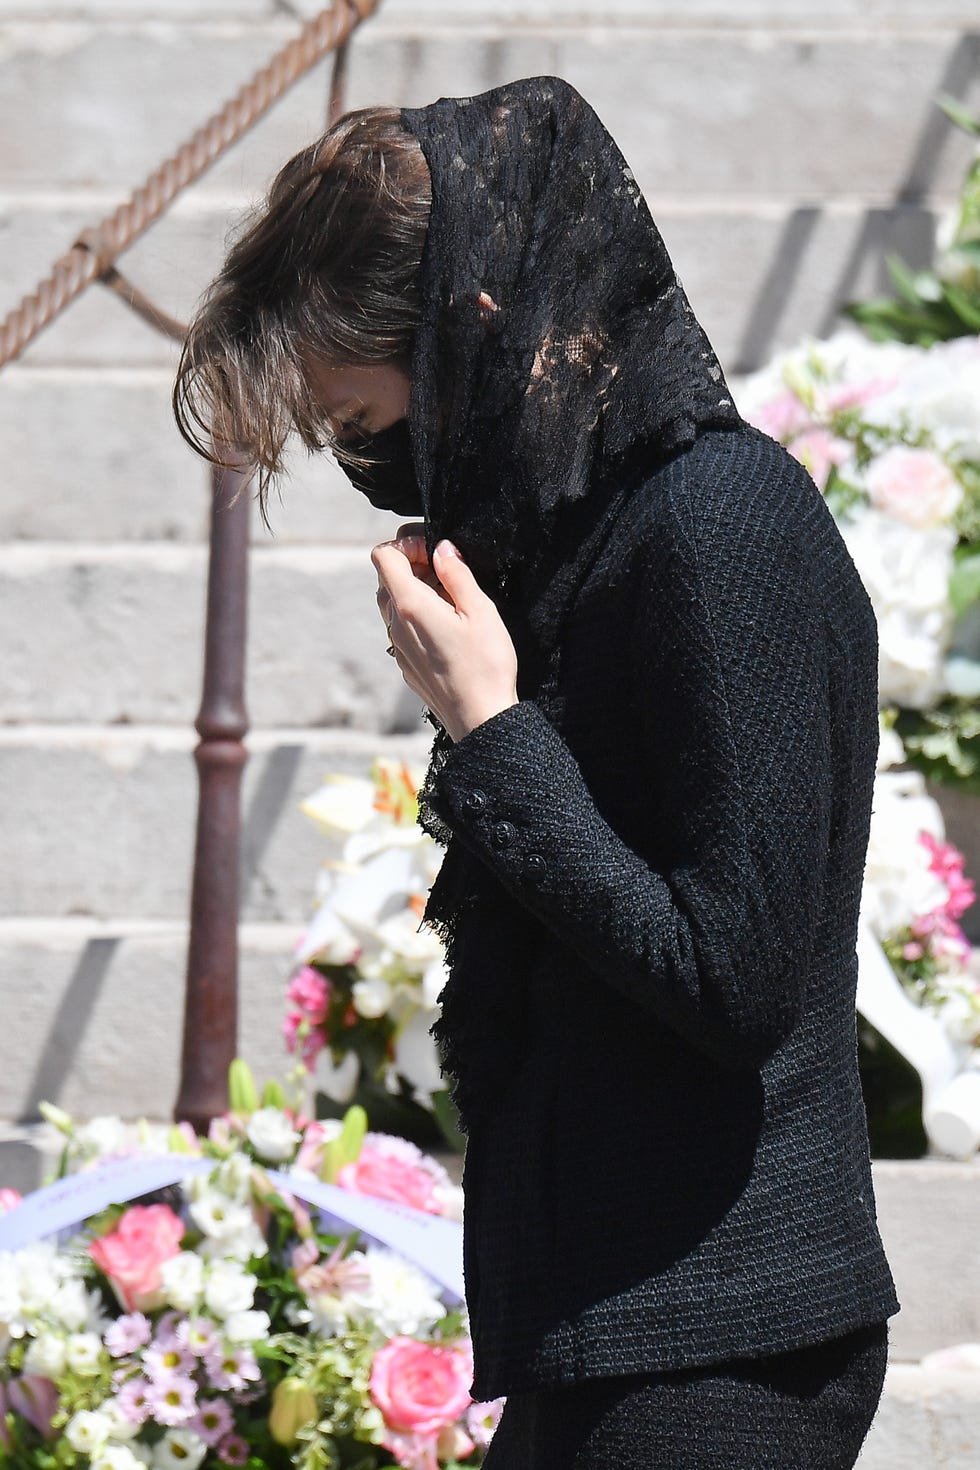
310,992
132,1254
421,1387
386,1175
782,416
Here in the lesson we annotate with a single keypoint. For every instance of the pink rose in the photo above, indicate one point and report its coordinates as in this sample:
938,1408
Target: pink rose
386,1176
9,1199
421,1387
819,450
132,1254
914,485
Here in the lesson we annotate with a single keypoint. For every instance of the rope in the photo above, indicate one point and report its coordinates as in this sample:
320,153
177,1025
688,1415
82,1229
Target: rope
97,248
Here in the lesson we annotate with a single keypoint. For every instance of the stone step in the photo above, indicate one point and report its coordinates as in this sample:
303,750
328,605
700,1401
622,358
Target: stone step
123,625
789,264
928,1419
733,13
128,799
867,122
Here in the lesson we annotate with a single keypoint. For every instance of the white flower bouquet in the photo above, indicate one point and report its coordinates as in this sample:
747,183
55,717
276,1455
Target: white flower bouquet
220,1318
366,980
891,435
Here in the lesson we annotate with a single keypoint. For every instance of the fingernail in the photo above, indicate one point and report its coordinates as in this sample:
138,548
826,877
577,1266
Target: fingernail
446,548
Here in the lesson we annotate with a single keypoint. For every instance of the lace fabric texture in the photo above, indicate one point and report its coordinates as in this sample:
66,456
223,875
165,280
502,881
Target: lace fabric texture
557,363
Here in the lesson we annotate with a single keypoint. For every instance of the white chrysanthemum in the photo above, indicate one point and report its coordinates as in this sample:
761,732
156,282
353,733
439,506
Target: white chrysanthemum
371,997
898,885
180,1449
87,1431
400,1298
73,1306
116,1457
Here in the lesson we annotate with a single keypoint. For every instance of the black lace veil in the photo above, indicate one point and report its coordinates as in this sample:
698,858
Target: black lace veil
557,363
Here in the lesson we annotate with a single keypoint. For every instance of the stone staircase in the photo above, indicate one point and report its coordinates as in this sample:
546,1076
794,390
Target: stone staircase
785,147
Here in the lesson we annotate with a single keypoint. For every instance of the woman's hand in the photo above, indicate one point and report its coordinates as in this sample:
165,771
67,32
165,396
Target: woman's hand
450,642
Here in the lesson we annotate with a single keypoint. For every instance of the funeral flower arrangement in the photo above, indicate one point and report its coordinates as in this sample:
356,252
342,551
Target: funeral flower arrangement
216,1323
890,432
888,424
367,976
915,892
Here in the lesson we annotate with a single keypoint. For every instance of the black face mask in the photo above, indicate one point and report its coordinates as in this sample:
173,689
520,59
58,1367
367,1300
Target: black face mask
390,483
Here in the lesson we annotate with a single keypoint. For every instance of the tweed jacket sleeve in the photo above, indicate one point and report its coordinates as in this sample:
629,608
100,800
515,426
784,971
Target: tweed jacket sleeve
726,662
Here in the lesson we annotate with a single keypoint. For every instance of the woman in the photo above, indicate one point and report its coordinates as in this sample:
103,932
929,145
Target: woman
653,671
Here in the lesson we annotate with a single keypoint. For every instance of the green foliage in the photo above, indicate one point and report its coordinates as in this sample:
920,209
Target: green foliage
944,742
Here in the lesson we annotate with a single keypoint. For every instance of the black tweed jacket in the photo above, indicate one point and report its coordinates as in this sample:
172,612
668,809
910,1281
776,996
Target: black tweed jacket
680,1172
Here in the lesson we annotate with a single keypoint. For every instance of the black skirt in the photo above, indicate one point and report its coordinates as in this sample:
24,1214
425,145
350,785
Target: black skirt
806,1409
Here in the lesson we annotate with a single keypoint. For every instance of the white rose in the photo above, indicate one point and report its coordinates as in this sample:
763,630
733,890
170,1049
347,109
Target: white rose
228,1288
87,1431
272,1135
83,1350
46,1356
182,1279
246,1326
180,1449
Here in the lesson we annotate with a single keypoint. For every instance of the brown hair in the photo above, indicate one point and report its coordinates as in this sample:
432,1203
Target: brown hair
330,263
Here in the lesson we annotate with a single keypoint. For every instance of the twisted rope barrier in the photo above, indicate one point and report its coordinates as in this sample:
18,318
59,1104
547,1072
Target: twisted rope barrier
96,250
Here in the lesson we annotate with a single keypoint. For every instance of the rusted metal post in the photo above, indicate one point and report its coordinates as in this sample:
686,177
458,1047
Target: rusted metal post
211,996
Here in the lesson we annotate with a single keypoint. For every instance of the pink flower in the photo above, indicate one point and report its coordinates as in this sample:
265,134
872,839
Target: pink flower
913,950
133,1400
313,1041
213,1420
172,1400
782,417
914,485
819,450
9,1199
132,1254
482,1420
855,395
232,1367
419,1386
233,1450
127,1334
310,992
386,1175
162,1360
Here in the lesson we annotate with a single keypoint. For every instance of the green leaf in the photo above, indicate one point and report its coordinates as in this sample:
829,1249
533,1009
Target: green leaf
346,1147
242,1093
177,1142
958,114
965,306
904,281
964,582
447,1117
